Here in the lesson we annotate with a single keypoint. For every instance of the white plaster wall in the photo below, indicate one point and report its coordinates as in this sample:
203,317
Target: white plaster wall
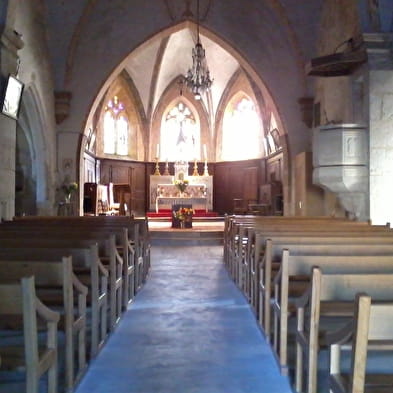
381,146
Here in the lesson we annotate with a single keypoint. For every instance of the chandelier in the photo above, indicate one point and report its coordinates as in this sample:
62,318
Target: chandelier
198,76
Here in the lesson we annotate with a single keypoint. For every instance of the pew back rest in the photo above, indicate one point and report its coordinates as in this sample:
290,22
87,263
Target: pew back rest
81,256
46,273
330,249
344,287
302,264
381,322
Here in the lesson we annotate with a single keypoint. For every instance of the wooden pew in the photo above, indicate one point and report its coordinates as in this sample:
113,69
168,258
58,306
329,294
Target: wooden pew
317,246
19,299
108,255
89,269
296,268
327,294
243,234
371,328
48,277
139,239
245,271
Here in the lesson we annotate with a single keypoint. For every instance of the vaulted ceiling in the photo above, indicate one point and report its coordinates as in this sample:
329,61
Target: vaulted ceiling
156,63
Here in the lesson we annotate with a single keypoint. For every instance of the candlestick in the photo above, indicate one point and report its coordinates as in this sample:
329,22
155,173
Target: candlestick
204,152
205,172
157,171
158,150
166,172
195,173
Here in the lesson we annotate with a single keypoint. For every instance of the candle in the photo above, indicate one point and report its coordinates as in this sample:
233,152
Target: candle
204,152
158,150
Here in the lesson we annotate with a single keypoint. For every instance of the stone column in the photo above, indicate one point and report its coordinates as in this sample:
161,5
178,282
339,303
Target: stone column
10,43
380,93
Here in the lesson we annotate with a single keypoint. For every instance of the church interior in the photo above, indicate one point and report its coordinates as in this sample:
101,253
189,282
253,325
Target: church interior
257,131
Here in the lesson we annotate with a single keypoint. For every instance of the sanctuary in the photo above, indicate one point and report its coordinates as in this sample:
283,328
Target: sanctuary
198,193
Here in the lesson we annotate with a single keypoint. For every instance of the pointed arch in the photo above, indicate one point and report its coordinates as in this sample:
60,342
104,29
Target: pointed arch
31,124
242,129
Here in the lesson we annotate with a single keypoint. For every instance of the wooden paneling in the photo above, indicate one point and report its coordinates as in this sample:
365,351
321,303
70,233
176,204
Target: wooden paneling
308,197
231,180
235,180
127,172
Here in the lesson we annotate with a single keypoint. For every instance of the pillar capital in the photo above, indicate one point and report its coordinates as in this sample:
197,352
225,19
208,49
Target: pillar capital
62,105
379,48
10,42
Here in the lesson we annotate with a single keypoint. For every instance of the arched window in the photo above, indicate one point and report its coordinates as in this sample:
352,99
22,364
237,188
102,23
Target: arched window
180,135
242,131
115,128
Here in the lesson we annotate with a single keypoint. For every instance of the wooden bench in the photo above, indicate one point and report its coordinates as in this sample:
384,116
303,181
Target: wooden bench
241,241
108,255
371,329
48,277
19,299
292,279
88,268
245,271
138,247
329,295
322,246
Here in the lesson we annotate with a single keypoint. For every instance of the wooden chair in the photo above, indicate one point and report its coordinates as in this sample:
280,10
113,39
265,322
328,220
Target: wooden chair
21,300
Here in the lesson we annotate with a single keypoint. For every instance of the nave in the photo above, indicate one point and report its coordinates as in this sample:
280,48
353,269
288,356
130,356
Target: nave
189,330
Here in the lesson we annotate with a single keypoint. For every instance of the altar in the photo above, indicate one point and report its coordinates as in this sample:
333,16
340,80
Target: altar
164,194
168,202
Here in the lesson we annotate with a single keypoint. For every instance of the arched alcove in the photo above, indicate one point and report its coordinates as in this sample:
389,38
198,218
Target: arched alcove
157,92
32,175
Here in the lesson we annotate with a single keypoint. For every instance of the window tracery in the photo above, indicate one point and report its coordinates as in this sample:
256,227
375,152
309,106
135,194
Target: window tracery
115,128
242,130
180,134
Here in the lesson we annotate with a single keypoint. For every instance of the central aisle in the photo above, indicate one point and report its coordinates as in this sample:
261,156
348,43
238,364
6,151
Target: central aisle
189,330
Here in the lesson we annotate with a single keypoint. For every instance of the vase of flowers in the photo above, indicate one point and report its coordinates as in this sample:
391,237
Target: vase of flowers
181,185
68,190
182,218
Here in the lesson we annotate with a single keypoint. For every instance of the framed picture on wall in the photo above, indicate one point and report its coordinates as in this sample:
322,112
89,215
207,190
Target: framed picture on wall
276,138
12,97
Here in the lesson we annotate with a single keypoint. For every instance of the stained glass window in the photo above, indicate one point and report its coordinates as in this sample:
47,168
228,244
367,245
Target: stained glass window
180,135
115,128
242,131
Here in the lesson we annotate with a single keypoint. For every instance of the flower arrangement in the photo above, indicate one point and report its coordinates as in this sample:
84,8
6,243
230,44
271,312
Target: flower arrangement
183,213
69,188
181,185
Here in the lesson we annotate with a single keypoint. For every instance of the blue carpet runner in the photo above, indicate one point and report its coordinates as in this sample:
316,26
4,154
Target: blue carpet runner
189,330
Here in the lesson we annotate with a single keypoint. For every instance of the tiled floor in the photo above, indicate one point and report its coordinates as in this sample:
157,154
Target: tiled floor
189,330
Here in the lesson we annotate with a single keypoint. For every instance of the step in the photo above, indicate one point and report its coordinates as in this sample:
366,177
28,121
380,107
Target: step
180,236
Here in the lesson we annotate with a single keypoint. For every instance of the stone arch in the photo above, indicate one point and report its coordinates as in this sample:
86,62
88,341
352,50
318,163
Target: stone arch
170,97
239,85
248,68
31,124
126,91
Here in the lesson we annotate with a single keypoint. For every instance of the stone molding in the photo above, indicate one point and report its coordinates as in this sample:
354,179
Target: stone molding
62,105
10,42
379,48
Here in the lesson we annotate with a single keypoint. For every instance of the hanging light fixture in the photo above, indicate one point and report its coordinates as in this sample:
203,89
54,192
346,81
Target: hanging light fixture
198,76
